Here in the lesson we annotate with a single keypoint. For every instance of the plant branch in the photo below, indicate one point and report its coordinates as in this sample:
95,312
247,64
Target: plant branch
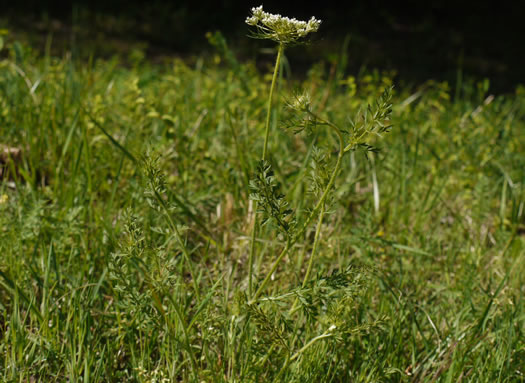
320,204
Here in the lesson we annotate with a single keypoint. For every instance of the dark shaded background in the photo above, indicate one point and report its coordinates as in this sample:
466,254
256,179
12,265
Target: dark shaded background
420,40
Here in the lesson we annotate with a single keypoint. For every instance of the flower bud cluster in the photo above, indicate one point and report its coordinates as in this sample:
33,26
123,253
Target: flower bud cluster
279,28
301,102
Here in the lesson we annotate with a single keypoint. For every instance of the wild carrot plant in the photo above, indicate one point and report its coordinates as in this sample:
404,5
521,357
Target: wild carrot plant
267,197
283,31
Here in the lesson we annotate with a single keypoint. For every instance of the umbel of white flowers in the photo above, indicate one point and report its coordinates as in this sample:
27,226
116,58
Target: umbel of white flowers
279,28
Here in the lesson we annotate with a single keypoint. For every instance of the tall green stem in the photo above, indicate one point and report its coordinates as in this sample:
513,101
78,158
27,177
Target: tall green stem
264,153
270,100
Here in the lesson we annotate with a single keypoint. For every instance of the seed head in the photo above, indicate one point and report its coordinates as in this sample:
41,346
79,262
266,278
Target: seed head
279,28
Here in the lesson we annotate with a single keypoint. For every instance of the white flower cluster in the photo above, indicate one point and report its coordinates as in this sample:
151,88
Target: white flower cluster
279,28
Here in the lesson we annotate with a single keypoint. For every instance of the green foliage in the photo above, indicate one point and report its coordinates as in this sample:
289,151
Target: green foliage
124,222
320,172
374,121
271,202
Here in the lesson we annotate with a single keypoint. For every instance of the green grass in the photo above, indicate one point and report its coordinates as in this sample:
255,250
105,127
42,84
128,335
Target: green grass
125,229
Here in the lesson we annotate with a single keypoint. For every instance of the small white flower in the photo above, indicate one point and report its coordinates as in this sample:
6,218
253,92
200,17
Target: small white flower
279,28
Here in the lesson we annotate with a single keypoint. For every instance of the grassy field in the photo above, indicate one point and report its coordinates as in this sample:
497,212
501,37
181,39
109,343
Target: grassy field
126,226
